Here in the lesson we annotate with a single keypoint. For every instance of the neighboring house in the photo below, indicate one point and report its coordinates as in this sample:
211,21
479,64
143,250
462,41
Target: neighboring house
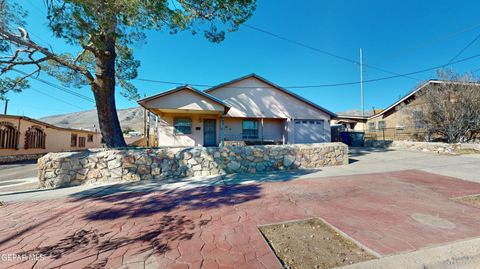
406,113
351,122
21,135
400,121
250,109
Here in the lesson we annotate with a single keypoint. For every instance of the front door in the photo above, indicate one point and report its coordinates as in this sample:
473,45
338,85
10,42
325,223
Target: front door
209,132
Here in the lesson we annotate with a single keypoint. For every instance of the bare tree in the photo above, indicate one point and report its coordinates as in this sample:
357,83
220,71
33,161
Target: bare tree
451,109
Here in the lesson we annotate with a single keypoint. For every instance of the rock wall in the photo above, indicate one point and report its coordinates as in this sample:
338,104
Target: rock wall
425,146
76,168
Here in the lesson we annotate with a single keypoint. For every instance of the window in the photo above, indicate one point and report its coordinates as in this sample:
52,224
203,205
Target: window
90,138
81,141
34,138
250,129
371,126
183,126
8,136
73,140
418,120
382,125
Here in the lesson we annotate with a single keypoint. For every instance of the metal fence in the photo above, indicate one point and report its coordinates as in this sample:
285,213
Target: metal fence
397,134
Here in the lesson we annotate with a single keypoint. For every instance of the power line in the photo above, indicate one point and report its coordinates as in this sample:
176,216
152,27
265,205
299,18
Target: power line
434,40
173,83
321,85
321,51
57,86
465,48
58,99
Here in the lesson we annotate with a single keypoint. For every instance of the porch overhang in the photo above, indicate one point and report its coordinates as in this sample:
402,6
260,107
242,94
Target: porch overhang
161,111
185,100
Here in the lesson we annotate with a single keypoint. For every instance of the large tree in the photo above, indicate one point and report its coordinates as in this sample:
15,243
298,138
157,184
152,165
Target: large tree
451,109
104,32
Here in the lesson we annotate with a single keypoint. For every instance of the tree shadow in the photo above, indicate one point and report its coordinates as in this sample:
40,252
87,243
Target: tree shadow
153,238
268,176
361,151
149,202
154,214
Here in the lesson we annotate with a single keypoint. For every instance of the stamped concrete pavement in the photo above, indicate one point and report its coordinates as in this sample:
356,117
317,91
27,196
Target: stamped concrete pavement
200,224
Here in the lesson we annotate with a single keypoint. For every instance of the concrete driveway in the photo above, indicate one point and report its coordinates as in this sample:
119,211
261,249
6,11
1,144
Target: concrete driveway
397,204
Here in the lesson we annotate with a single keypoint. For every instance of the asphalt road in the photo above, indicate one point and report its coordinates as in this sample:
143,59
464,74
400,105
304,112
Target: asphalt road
18,177
18,170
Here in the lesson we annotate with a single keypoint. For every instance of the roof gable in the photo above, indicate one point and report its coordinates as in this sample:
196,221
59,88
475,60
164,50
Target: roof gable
272,85
203,101
415,91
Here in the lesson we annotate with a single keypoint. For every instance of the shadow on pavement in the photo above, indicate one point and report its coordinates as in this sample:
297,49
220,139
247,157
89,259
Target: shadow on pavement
148,203
273,176
156,219
153,239
360,151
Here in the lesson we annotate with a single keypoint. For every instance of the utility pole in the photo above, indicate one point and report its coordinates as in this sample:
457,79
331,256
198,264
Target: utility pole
6,107
361,83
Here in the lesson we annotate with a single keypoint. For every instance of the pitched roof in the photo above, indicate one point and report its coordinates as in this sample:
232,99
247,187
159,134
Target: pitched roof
351,117
417,89
45,124
185,87
273,85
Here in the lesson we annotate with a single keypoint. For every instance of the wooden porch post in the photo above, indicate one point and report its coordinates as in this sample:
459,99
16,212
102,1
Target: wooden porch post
285,131
222,131
261,122
155,143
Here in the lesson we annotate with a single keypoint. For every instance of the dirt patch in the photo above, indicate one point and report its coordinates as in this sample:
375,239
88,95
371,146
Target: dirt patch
473,200
312,244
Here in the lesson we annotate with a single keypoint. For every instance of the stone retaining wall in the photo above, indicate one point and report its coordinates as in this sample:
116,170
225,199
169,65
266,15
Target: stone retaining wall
76,168
424,146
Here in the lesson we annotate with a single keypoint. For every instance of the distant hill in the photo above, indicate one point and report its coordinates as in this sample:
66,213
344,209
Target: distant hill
130,118
355,112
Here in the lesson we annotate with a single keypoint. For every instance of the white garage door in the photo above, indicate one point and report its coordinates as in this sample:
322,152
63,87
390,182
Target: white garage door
309,131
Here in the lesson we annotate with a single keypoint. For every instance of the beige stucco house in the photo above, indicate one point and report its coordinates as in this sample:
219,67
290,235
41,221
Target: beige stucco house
250,109
20,135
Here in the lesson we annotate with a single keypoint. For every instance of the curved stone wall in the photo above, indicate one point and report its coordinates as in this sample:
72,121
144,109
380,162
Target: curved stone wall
115,165
437,147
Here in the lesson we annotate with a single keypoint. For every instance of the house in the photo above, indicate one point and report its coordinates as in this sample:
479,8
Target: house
406,113
249,109
402,120
23,136
354,123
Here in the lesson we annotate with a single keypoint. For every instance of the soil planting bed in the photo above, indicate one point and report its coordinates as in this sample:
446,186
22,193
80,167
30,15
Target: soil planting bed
473,200
312,244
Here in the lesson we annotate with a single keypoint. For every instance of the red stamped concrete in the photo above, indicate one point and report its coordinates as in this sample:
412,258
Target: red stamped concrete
216,227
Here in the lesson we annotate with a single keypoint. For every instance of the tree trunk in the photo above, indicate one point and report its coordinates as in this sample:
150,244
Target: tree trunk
104,91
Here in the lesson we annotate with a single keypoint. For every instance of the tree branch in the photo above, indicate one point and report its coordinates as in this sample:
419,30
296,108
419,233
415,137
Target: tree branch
195,10
32,47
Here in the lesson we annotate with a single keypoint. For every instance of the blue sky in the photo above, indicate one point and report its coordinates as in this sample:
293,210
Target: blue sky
398,36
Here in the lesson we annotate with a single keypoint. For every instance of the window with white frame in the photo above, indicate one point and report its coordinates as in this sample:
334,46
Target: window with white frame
183,126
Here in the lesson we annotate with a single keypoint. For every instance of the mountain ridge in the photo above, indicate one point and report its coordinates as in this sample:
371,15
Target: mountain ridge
130,119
